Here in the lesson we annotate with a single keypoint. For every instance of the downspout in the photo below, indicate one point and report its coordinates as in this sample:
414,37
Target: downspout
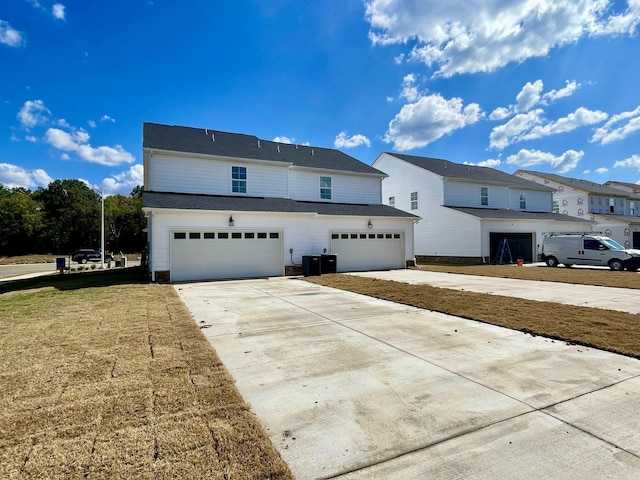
482,242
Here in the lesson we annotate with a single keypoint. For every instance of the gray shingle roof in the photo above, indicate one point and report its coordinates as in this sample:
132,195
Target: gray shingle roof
449,169
186,201
506,214
214,142
587,186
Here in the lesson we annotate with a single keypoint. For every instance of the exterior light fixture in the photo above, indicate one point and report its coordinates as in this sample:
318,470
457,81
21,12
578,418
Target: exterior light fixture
369,225
231,221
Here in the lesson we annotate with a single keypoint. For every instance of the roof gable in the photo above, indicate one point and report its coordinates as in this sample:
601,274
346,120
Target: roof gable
225,144
460,171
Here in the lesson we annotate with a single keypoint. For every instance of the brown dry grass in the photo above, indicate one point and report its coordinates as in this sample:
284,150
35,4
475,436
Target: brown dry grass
606,329
118,382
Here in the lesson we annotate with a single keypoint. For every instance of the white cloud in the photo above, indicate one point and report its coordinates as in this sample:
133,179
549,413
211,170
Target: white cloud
283,140
409,89
508,133
92,124
77,142
632,162
342,141
429,118
9,35
562,164
107,118
34,112
529,96
491,162
13,176
602,170
569,89
582,116
123,182
499,113
618,127
465,36
58,11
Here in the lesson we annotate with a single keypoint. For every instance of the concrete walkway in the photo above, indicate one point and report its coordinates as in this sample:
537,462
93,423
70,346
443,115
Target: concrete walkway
621,299
353,387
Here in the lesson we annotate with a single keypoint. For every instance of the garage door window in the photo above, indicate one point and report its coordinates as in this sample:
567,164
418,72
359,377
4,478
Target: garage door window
223,235
179,235
194,235
209,235
250,235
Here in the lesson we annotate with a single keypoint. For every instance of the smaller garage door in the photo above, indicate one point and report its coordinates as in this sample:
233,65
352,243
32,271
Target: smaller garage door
360,251
205,255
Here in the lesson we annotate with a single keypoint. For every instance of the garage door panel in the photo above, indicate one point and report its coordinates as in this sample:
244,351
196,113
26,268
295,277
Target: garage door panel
214,255
368,251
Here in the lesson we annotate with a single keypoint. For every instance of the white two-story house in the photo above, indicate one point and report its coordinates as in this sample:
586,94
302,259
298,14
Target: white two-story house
228,205
613,207
468,211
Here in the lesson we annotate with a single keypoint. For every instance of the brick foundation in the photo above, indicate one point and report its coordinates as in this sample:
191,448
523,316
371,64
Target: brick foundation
162,276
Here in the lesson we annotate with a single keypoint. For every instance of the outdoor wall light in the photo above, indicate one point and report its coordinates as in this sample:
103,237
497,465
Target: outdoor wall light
369,225
231,221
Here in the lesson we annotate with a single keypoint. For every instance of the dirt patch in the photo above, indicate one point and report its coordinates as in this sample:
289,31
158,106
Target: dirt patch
605,329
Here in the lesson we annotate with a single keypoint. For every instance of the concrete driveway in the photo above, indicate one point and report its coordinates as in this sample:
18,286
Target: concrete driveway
353,387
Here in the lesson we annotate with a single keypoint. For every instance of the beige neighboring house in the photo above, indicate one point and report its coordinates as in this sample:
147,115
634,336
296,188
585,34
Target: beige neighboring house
614,206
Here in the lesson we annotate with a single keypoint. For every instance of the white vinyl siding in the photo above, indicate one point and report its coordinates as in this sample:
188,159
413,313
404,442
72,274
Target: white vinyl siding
169,173
303,185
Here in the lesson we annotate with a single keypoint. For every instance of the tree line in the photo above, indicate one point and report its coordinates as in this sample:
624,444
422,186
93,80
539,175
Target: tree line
65,216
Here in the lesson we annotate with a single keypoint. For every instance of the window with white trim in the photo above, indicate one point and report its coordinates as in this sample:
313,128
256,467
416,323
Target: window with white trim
239,179
484,196
392,201
523,201
414,200
325,188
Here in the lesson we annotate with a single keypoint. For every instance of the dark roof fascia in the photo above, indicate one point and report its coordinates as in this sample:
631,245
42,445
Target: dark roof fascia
507,214
196,202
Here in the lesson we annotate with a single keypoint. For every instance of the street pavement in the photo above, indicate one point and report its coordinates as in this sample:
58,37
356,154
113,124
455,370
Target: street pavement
353,387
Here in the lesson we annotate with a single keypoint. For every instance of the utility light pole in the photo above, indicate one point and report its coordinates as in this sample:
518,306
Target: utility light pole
102,231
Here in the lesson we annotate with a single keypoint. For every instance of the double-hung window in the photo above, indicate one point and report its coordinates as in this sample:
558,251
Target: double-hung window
239,179
325,188
414,200
484,196
523,201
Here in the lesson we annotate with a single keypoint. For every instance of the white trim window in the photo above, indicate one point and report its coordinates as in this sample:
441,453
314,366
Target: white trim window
238,179
414,200
325,188
392,202
523,201
484,196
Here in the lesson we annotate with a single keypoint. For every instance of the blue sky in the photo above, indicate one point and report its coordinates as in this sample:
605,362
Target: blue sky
547,85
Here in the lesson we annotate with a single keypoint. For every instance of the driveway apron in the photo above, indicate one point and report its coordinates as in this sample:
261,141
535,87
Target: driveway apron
348,386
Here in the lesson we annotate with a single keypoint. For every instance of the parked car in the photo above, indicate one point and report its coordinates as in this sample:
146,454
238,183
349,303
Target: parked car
588,250
84,255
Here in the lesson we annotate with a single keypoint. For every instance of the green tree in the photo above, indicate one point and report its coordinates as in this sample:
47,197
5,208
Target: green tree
125,220
21,222
71,215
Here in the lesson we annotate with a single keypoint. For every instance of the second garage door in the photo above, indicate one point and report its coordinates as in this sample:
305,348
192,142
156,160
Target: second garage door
205,255
359,251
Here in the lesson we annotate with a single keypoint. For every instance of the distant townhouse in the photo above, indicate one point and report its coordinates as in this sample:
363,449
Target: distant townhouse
612,206
468,211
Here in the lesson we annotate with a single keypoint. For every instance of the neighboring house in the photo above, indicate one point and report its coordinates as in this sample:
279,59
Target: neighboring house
467,211
228,205
614,206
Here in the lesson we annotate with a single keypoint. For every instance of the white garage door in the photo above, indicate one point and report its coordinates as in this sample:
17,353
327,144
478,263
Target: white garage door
359,251
205,255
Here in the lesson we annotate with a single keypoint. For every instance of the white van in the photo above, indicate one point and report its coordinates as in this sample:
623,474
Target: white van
588,250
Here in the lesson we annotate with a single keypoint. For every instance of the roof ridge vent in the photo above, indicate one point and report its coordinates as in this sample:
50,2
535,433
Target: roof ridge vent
312,152
278,148
258,143
213,137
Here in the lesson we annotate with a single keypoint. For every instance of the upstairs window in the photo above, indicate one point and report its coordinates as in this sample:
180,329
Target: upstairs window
632,207
523,201
239,179
392,201
556,206
325,188
484,196
414,200
612,205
